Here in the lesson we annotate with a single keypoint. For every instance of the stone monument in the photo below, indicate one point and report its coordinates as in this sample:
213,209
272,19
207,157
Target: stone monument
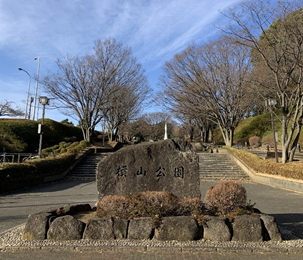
168,165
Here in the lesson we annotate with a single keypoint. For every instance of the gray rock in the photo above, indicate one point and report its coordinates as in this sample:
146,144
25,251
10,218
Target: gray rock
271,227
99,229
66,228
247,228
180,228
36,226
216,229
140,228
169,165
120,228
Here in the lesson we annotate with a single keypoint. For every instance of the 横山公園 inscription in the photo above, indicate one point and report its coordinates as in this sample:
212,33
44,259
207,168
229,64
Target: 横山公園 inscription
169,165
160,172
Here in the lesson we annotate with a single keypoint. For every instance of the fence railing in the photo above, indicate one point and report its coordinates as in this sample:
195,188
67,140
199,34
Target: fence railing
16,157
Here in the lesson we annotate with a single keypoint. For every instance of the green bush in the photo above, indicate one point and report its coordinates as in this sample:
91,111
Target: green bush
21,135
16,171
226,197
52,165
37,167
63,147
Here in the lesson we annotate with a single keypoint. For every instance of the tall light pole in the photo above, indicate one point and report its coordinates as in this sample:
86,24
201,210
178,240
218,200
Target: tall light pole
272,102
44,101
36,90
29,85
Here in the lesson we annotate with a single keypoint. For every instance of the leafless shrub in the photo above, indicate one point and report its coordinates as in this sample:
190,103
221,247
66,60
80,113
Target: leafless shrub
226,197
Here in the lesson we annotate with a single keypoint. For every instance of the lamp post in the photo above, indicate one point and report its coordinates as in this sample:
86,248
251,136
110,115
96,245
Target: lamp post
29,85
36,90
272,102
44,101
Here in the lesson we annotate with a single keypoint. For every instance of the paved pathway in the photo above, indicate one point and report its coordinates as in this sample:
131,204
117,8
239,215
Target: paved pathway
15,207
128,255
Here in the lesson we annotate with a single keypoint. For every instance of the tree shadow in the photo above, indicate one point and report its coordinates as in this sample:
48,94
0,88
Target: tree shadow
290,225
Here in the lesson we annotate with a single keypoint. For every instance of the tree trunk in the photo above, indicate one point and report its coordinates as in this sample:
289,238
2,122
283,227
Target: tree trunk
228,135
297,135
210,136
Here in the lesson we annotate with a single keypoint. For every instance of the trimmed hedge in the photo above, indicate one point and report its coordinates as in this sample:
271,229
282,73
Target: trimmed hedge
63,147
288,170
38,167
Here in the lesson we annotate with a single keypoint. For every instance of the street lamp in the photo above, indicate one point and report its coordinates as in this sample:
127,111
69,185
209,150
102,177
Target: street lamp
29,84
36,90
43,101
271,102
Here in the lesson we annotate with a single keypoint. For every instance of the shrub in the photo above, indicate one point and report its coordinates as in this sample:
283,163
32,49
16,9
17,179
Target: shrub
241,142
148,204
113,206
52,165
151,203
255,141
269,139
191,207
226,197
37,167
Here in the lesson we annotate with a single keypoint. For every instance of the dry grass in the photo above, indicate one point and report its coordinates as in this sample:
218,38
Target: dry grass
269,166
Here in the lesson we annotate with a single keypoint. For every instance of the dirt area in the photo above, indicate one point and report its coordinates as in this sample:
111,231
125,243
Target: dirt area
85,216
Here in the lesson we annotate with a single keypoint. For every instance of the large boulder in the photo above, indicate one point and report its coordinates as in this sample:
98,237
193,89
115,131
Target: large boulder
36,226
140,228
120,228
170,165
99,229
247,228
271,227
216,229
66,228
177,228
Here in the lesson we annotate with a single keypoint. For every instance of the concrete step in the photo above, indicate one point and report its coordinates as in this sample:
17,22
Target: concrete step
219,166
86,170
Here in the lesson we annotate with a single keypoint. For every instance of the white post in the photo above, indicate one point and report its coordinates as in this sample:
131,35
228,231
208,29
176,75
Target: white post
165,135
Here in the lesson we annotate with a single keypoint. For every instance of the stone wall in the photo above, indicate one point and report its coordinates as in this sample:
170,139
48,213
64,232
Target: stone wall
60,224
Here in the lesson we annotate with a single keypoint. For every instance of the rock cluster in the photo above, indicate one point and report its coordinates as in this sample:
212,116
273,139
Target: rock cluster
59,224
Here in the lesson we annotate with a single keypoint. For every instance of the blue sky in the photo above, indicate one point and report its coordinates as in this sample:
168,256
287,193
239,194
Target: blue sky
155,30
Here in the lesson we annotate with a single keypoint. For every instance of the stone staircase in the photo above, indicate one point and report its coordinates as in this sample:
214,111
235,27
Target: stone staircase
219,166
86,170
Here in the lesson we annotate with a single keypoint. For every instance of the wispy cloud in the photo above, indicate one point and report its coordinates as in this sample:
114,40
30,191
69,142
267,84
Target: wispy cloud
154,29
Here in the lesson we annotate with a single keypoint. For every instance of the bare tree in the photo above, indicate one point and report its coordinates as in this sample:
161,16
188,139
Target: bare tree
155,122
210,81
7,109
274,32
84,85
125,103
